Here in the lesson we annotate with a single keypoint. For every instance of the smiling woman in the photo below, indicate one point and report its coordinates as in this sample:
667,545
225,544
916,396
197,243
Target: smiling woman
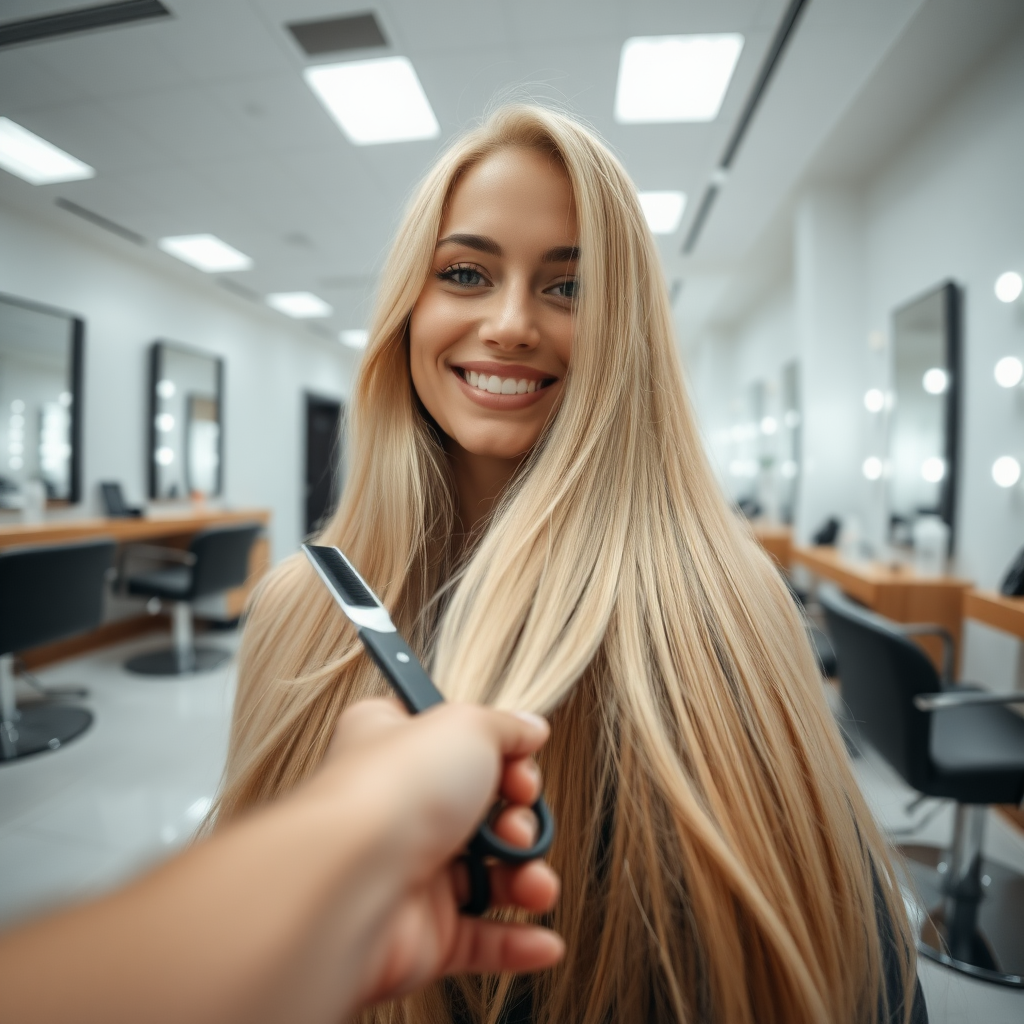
529,495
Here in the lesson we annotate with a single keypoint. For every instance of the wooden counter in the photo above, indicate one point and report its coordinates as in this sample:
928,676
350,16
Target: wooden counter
1005,613
777,541
168,529
897,592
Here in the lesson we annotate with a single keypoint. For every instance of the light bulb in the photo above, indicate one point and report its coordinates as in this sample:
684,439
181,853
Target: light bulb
1006,471
1009,286
933,469
935,380
769,425
1009,371
872,467
874,400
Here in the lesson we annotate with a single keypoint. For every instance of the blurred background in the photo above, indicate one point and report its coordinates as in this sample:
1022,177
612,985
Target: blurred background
196,197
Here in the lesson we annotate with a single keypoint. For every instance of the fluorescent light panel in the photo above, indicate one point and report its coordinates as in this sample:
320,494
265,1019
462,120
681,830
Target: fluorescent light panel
663,210
375,101
205,252
354,337
35,160
300,305
674,78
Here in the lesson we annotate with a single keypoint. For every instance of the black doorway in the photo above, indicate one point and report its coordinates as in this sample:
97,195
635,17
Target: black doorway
323,458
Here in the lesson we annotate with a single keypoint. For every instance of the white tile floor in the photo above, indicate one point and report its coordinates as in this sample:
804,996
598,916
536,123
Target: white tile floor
132,789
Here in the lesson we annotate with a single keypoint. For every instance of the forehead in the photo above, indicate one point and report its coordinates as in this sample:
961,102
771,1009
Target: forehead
513,189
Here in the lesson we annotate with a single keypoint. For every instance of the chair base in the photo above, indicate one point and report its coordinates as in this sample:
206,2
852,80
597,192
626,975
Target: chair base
40,729
170,663
993,950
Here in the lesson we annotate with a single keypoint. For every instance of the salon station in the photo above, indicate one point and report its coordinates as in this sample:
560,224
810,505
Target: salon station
195,202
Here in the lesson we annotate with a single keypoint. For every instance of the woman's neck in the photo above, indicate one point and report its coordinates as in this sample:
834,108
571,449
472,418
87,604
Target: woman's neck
480,480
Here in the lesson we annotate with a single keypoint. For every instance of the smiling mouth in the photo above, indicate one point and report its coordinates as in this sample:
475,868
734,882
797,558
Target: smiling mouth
495,385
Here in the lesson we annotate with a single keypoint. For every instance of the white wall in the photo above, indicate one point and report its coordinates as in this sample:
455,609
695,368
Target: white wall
947,205
127,304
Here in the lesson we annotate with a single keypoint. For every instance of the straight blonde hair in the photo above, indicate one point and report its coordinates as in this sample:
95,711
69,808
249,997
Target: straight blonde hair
718,861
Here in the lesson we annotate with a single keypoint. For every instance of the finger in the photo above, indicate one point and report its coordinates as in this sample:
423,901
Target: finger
516,734
533,886
490,947
366,720
517,825
521,781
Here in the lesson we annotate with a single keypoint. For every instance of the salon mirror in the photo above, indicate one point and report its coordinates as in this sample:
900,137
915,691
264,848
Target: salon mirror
185,422
924,423
40,400
789,441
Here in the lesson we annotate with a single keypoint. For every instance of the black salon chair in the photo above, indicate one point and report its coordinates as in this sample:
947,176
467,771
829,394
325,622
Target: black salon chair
954,742
46,594
216,560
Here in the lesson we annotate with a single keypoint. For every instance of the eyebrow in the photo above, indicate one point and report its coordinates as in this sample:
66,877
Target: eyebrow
560,254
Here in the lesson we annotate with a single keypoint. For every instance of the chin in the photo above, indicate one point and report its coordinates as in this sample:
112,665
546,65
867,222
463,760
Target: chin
504,448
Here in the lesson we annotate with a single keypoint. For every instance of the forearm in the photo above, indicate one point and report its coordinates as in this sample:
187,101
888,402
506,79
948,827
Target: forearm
263,923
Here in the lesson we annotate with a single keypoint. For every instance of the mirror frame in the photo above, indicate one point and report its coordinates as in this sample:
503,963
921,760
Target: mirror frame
952,310
155,351
75,381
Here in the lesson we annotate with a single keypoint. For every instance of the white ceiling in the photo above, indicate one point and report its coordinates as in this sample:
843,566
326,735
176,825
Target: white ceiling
203,123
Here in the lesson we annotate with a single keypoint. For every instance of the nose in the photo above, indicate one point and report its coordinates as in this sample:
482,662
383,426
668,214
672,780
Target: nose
510,323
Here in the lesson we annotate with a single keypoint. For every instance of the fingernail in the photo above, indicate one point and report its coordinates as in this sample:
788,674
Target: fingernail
531,719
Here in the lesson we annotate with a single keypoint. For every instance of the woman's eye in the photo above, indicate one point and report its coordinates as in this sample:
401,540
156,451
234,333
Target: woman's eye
566,289
467,277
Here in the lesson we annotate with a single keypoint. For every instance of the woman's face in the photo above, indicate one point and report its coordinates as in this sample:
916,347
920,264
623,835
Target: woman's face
491,333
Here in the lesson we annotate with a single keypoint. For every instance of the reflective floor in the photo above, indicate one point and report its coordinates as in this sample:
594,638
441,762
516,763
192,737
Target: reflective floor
133,788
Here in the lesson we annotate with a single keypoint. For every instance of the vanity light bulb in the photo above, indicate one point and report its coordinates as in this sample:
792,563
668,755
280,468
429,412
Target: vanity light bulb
769,425
1006,471
165,422
935,381
165,388
933,469
874,400
872,468
64,398
1009,371
165,456
1009,286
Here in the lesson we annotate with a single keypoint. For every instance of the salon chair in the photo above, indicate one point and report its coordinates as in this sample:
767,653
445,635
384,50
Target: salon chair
217,560
46,594
954,742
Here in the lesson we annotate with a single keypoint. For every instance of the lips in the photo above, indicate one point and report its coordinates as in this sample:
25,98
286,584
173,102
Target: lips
503,385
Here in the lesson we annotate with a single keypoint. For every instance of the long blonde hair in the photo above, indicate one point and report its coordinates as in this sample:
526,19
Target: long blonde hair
718,862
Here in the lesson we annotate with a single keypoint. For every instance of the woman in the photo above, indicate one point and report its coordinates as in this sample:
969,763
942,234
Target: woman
529,494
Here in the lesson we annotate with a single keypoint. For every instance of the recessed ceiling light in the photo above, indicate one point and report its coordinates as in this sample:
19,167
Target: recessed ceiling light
675,78
207,252
375,101
663,210
35,160
354,337
301,305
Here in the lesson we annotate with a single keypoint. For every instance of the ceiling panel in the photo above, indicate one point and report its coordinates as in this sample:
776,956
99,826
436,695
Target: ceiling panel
202,122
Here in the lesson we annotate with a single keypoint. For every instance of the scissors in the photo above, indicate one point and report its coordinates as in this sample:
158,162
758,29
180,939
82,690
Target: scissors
417,692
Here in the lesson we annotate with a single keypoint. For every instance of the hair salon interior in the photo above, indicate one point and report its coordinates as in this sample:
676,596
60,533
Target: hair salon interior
195,199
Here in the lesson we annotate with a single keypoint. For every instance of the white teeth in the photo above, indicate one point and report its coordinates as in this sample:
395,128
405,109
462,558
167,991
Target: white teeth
500,385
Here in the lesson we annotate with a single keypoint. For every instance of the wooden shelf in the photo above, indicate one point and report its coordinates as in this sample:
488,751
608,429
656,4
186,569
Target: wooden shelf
996,610
169,529
895,591
777,540
126,531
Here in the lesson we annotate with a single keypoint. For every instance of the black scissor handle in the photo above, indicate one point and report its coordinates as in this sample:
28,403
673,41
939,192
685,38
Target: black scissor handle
486,844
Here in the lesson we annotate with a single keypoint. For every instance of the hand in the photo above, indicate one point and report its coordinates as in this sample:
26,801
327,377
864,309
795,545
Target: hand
437,774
